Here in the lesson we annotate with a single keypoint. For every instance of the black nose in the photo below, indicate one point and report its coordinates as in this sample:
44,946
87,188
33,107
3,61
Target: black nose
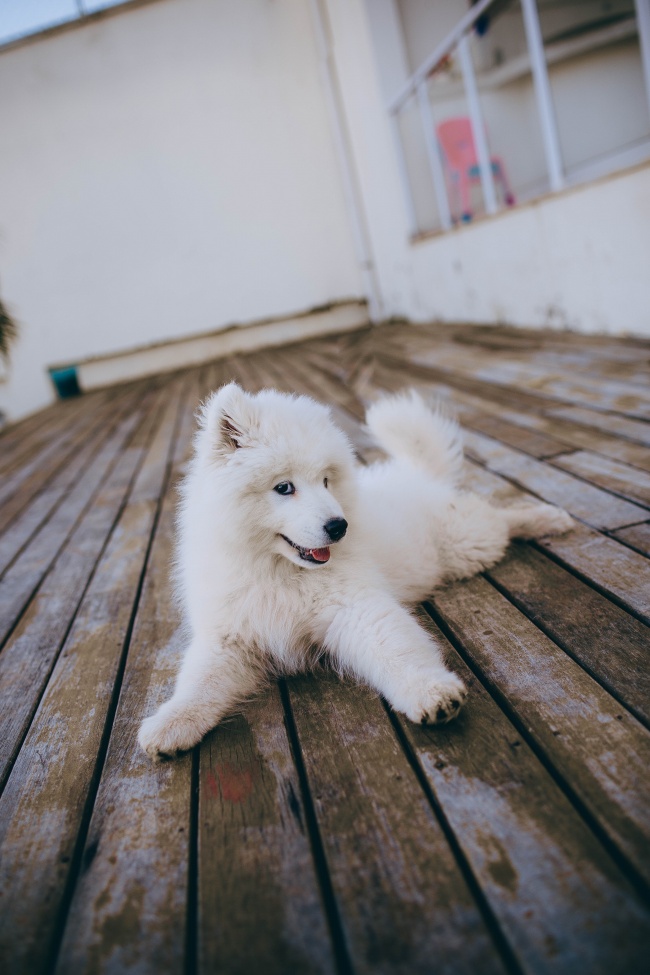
336,528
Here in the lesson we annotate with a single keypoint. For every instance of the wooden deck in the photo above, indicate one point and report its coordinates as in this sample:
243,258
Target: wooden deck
319,832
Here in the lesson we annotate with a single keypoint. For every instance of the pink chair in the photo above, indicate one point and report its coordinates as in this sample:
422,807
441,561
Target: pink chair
462,169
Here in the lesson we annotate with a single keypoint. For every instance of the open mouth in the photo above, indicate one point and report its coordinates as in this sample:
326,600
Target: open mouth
316,555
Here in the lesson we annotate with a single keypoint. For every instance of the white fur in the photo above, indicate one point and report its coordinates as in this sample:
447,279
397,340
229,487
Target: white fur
254,606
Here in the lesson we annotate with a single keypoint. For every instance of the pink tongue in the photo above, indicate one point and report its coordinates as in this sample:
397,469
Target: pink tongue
320,554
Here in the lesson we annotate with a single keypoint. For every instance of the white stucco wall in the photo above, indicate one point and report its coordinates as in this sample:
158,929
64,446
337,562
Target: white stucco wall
165,171
578,259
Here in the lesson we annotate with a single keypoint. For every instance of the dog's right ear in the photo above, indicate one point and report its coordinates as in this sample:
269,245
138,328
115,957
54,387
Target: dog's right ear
229,419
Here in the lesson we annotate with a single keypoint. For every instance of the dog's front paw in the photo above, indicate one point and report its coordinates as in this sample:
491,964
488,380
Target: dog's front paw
168,732
439,701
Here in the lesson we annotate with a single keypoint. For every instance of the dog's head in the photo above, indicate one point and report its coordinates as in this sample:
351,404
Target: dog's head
286,468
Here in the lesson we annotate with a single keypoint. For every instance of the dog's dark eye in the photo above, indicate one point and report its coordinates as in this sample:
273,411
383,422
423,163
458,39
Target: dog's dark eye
325,481
285,487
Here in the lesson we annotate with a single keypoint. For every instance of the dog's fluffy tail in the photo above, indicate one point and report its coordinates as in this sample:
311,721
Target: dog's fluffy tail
407,428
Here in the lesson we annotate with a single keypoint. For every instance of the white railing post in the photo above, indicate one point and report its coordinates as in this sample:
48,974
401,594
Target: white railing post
543,95
404,176
476,118
433,153
438,53
643,26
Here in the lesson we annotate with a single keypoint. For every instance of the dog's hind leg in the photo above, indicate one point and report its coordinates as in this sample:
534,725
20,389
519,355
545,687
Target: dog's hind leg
378,641
533,520
473,535
211,683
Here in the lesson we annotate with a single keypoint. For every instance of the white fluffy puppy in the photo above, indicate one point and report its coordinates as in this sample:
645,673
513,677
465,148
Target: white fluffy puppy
285,542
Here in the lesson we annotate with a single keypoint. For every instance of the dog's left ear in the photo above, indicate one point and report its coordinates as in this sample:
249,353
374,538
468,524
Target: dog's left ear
229,417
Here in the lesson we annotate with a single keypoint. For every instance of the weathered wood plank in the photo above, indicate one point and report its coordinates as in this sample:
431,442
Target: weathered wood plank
591,504
598,392
26,660
44,802
538,445
36,513
635,430
462,386
58,419
21,441
607,641
403,902
258,894
329,385
628,482
558,897
246,370
594,393
600,751
602,364
127,914
500,491
638,537
22,485
515,337
611,566
579,437
111,466
603,561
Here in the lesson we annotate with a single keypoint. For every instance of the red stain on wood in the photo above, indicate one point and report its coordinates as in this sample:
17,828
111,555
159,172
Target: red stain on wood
211,786
232,783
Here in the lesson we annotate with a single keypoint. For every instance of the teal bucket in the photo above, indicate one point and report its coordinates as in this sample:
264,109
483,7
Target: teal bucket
65,382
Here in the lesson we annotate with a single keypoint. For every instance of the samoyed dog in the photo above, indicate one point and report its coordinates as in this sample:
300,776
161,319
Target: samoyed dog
285,543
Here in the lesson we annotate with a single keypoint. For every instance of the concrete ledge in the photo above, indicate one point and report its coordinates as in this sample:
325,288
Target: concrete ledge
125,366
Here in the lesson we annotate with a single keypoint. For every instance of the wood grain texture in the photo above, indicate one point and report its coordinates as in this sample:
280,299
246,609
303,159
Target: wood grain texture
614,568
637,537
22,441
127,916
403,901
575,436
27,659
317,832
548,384
50,782
539,445
114,463
59,449
39,510
129,908
557,895
596,507
599,749
611,423
619,478
258,890
607,641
